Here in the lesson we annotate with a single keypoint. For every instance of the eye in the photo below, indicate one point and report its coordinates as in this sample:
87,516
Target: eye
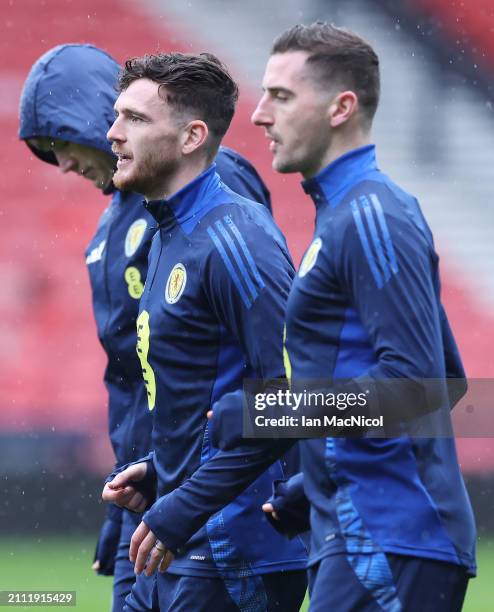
280,96
135,119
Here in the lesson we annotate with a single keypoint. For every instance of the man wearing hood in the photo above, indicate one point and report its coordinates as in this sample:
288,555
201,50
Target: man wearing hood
66,109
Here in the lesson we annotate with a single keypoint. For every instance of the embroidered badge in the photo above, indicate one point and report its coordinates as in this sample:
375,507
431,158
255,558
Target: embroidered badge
175,284
134,236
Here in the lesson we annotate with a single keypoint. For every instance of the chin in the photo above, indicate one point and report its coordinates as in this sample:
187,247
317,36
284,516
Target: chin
123,183
131,183
284,166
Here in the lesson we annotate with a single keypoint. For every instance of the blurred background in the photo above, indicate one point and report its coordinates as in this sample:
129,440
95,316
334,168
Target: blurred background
435,136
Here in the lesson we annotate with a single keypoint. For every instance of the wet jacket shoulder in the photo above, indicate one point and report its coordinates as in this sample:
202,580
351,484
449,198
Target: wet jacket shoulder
241,176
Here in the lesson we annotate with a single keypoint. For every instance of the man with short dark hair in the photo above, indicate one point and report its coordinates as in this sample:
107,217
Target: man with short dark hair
211,314
392,526
66,109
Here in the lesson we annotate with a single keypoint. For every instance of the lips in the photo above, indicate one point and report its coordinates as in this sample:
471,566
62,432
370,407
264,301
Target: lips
122,159
274,142
121,154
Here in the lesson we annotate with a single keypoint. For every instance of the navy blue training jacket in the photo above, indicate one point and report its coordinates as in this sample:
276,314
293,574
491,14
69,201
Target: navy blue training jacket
211,315
366,302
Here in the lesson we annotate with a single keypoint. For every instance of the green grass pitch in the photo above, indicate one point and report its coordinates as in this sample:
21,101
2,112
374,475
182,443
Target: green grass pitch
65,564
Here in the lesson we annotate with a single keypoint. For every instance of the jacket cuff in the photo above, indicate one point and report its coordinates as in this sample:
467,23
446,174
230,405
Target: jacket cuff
167,524
150,473
291,505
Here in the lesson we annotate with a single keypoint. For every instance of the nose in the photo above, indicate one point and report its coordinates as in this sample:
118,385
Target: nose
66,162
261,116
115,133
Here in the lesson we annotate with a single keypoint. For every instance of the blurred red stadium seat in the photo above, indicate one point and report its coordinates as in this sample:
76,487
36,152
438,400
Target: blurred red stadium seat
52,367
469,22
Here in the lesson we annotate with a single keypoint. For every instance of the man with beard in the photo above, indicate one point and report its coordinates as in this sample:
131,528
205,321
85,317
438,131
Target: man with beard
65,111
211,314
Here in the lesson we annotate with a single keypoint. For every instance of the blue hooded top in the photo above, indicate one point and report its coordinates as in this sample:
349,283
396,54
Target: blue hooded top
69,94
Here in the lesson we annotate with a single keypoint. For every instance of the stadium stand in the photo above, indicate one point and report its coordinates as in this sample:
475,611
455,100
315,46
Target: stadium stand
465,26
52,365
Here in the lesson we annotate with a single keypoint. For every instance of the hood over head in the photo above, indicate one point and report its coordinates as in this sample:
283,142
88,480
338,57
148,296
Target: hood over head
69,94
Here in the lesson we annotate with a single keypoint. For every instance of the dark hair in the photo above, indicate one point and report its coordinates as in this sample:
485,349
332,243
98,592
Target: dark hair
339,57
194,83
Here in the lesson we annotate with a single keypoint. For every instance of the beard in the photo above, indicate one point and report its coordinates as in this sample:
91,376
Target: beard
148,175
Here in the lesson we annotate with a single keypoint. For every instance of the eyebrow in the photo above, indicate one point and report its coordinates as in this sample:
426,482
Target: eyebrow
131,111
275,89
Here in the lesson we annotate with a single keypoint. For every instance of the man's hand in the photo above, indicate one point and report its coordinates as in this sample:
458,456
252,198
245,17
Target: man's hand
121,491
268,509
144,546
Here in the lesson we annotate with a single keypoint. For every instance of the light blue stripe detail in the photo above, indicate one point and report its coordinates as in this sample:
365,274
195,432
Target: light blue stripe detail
245,249
246,589
365,557
375,575
229,267
237,258
385,232
375,237
365,244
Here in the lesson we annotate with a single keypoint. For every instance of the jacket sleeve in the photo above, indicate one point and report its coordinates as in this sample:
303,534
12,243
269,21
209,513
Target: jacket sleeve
455,373
389,281
248,297
108,540
175,517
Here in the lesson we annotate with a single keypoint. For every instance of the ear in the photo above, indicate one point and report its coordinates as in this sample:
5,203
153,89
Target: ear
194,135
344,105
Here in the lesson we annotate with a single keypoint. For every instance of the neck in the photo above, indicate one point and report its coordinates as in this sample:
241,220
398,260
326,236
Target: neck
177,180
340,144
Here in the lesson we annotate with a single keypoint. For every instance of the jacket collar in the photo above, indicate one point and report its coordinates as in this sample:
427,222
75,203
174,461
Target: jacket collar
186,202
333,181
